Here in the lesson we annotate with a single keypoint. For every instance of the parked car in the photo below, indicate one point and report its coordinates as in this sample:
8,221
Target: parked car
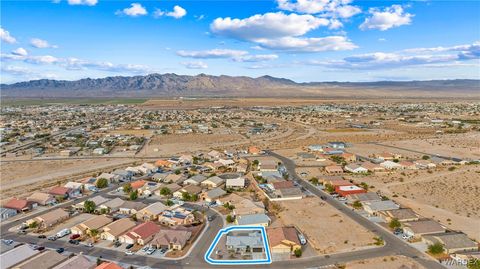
90,245
39,248
406,236
210,218
22,232
73,241
128,253
42,236
117,244
398,232
163,250
150,251
60,250
145,248
302,239
323,197
342,199
52,237
74,236
7,242
129,246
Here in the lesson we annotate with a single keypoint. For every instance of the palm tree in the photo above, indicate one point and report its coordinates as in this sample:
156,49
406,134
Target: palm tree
93,234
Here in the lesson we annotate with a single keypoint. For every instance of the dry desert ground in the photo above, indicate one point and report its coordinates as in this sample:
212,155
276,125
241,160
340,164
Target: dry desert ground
390,262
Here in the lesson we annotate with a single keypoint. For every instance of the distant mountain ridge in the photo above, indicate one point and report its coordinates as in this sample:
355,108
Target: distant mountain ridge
158,85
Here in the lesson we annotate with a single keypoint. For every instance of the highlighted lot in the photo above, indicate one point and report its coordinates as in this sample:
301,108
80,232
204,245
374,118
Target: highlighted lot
240,245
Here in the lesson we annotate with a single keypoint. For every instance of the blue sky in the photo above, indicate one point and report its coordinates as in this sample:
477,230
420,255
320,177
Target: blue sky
303,40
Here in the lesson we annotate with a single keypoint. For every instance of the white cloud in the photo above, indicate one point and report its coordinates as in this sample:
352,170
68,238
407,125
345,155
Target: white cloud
177,12
311,44
445,56
83,2
195,65
134,10
255,58
333,8
279,31
20,52
76,64
214,53
6,37
40,43
268,25
16,70
390,17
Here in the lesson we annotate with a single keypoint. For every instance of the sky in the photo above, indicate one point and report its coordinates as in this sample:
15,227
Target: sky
302,40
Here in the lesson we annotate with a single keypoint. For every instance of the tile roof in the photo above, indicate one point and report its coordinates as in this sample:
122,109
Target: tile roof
279,234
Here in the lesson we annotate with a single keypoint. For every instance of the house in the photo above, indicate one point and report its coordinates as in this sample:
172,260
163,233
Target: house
151,212
349,189
110,177
283,240
94,223
355,168
98,200
173,187
214,154
226,163
246,243
131,207
186,159
385,156
114,230
452,242
420,228
140,234
77,261
372,207
20,205
253,220
212,182
337,145
332,151
408,165
401,214
190,189
41,198
315,148
268,165
289,193
159,177
6,213
338,182
373,167
176,215
171,239
363,197
424,164
108,265
212,195
286,184
16,256
389,165
195,180
163,163
349,157
334,169
49,219
122,175
64,192
235,183
112,205
46,259
75,186
172,178
137,184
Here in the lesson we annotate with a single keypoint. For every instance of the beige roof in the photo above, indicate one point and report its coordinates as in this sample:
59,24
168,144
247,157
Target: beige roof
119,227
76,262
96,222
154,209
46,259
281,235
424,226
39,197
402,213
452,240
53,216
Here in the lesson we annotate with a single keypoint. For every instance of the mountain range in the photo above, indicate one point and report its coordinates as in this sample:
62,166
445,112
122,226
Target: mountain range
173,85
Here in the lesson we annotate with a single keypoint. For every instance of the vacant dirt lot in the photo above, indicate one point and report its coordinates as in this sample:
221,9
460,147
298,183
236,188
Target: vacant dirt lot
324,226
390,262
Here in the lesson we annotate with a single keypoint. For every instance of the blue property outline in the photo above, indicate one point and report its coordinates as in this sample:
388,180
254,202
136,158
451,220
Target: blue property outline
239,262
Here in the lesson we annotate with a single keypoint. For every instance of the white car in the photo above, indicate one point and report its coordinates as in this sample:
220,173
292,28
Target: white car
150,251
129,253
302,239
406,236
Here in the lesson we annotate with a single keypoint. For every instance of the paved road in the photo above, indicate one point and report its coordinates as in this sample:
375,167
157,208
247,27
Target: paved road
393,244
416,151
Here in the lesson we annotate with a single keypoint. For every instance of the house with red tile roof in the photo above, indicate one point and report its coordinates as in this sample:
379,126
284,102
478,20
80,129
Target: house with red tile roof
283,240
141,234
21,205
348,190
62,191
138,184
109,265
